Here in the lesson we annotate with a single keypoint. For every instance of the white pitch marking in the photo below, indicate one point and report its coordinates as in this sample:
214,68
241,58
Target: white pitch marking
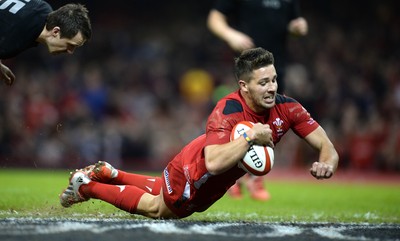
334,233
35,226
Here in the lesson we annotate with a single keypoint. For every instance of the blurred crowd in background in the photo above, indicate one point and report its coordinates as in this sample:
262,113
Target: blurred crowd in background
144,85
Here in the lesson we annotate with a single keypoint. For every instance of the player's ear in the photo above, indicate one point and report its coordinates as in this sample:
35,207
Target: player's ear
243,85
56,31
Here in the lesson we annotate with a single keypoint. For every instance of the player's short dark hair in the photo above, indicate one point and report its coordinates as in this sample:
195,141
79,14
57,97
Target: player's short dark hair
71,18
250,60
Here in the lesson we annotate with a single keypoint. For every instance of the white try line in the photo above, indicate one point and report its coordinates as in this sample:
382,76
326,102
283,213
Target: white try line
338,231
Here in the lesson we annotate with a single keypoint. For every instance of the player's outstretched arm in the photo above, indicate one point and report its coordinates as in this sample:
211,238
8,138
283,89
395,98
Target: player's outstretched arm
328,161
6,74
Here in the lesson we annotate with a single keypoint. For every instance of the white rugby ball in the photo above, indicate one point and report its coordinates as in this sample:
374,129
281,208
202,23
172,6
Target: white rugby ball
258,160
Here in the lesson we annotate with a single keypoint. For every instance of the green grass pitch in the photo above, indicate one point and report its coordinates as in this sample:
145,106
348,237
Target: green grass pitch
34,193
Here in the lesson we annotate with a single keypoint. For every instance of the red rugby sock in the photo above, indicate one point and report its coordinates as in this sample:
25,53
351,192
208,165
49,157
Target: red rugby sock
121,196
149,184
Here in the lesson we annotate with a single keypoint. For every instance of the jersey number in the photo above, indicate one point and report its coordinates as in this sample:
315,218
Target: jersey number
16,5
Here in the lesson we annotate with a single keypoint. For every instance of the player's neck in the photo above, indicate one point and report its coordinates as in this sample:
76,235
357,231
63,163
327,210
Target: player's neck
43,35
258,110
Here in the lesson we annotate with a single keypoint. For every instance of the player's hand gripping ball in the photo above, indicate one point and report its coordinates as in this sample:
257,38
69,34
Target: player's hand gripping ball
258,160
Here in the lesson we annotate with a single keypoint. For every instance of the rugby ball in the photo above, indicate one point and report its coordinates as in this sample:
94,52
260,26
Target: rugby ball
258,160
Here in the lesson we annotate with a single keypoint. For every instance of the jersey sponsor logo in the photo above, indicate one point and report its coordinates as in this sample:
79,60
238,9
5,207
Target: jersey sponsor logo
167,183
15,5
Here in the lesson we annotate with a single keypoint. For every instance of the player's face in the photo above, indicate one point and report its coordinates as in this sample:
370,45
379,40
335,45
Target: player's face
261,89
57,45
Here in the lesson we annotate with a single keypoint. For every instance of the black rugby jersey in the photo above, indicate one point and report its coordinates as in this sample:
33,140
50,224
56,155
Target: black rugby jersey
21,22
265,21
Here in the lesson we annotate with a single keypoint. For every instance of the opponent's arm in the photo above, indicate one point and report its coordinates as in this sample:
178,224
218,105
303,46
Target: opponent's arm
220,158
218,24
6,74
328,161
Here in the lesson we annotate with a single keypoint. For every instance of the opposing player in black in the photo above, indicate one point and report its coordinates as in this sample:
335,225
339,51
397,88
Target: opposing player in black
258,23
25,24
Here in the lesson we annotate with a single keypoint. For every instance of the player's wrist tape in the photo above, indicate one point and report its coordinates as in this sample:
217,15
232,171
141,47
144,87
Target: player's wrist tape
247,138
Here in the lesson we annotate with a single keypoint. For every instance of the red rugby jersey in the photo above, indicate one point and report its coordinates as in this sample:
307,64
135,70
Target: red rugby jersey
286,114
